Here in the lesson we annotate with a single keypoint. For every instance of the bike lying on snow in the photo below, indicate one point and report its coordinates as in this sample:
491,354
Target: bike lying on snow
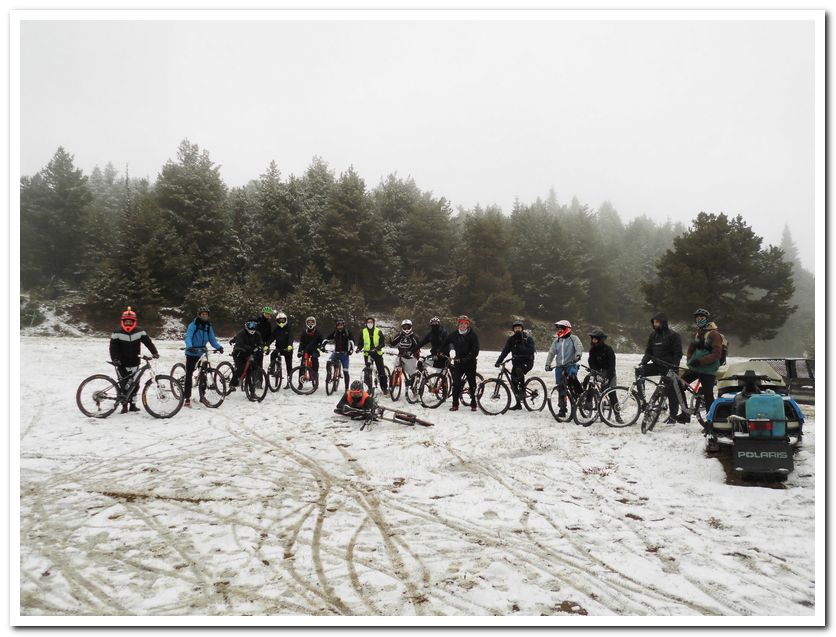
377,413
99,395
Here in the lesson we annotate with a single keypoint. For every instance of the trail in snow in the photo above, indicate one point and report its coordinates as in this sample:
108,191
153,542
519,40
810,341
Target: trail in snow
283,508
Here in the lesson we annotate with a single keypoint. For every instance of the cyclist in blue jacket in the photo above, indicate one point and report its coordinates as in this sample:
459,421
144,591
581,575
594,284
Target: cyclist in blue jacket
198,334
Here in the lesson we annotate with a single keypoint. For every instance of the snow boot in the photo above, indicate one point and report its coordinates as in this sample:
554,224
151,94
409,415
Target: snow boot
473,406
133,407
187,402
204,402
454,408
125,408
515,406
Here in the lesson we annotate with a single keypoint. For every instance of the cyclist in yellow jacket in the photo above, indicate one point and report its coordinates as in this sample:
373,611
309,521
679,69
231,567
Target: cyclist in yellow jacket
370,345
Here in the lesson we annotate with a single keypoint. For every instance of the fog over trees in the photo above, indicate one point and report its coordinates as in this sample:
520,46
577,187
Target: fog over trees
329,244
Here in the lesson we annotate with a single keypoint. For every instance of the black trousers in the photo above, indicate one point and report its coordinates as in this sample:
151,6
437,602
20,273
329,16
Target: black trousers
518,371
459,373
191,363
381,368
707,382
288,358
124,376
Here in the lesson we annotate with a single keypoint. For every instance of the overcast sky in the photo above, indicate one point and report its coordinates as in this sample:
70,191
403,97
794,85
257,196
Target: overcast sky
663,118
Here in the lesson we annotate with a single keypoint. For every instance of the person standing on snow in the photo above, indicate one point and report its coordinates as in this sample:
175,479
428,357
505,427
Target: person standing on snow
437,338
704,358
521,347
407,344
602,360
265,328
465,342
283,339
566,350
309,343
343,348
247,341
125,345
664,345
198,334
372,341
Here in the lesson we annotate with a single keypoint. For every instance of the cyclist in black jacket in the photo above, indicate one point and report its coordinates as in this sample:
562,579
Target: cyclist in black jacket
265,328
521,347
602,359
309,343
465,342
343,347
125,344
283,339
437,338
246,342
666,345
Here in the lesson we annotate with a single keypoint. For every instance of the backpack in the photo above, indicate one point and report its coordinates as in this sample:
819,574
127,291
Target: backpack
725,346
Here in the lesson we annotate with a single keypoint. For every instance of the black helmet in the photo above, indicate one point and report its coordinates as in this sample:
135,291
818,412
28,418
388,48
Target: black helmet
598,333
356,388
517,322
700,311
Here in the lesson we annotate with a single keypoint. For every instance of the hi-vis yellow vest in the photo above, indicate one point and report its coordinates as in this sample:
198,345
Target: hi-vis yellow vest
370,340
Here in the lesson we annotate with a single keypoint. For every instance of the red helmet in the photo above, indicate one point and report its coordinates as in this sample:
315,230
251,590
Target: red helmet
464,318
128,320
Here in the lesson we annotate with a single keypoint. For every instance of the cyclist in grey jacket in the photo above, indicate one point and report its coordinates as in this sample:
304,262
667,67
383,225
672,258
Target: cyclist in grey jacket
565,351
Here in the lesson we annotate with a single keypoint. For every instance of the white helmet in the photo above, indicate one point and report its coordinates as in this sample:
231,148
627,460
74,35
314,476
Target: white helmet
406,326
280,316
310,321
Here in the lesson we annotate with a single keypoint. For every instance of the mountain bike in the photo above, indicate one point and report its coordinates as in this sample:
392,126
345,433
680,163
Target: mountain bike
370,376
210,383
400,380
275,371
627,403
588,405
494,394
658,400
99,395
572,392
438,387
253,380
333,370
303,380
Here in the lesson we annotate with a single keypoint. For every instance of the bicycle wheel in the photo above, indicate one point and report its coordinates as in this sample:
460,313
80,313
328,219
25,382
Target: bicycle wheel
211,386
300,384
226,370
163,398
434,390
586,407
274,375
493,397
178,372
332,370
411,390
97,396
534,394
396,384
255,385
619,407
466,398
697,407
561,415
653,411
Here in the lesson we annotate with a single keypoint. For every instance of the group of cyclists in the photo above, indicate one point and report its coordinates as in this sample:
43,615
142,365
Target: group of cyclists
458,349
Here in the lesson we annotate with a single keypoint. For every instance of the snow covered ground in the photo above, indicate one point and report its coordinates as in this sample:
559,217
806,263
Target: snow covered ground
281,508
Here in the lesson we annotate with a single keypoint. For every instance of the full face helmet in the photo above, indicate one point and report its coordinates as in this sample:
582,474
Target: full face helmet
563,328
251,325
281,319
128,320
406,326
310,323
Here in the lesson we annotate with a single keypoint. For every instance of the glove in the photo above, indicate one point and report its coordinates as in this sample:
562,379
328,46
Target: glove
155,355
116,362
220,350
298,354
379,352
266,348
289,348
577,358
497,364
549,368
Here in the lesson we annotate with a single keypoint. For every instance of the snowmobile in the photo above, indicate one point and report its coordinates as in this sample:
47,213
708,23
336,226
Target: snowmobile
755,416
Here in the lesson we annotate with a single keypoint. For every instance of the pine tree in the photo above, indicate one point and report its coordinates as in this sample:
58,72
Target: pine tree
719,264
